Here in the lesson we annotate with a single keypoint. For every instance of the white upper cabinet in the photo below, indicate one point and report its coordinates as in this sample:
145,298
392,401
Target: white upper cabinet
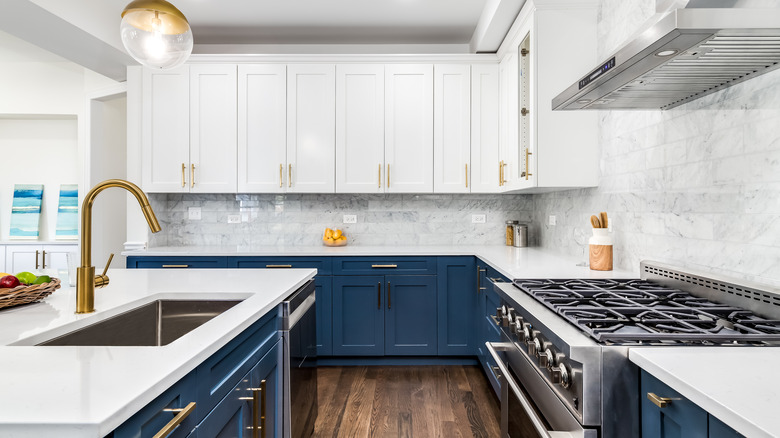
165,132
262,128
213,127
311,114
409,128
547,49
451,128
484,129
360,128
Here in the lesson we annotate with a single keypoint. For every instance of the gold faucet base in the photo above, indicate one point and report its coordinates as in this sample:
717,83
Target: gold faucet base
85,289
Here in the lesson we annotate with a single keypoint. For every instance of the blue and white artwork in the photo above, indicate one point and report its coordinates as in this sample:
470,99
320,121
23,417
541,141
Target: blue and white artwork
68,213
26,211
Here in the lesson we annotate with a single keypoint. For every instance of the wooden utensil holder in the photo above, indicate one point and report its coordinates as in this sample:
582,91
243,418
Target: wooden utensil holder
600,250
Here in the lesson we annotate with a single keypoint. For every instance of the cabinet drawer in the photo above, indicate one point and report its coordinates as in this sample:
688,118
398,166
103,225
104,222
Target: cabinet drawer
384,265
681,415
176,262
153,417
223,370
323,265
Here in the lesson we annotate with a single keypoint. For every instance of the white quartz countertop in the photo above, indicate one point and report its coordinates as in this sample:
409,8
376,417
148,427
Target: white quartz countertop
89,391
737,385
510,261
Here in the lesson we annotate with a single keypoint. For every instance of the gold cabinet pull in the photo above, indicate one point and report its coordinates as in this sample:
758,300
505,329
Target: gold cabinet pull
258,418
527,164
500,173
183,170
281,169
479,279
467,175
379,175
181,414
43,259
192,176
503,173
388,296
36,258
388,175
289,175
278,266
384,266
175,266
661,402
379,295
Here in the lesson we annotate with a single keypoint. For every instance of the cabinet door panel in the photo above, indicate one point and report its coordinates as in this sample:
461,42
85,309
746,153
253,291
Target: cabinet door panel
213,128
358,315
155,415
451,128
410,315
262,128
681,419
457,281
484,129
324,293
165,130
311,114
360,128
508,120
232,417
268,377
22,258
409,128
56,256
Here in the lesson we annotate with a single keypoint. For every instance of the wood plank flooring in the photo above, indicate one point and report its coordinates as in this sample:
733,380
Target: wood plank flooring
406,401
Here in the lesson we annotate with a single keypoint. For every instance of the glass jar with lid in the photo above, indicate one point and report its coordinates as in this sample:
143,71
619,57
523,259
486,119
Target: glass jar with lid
510,232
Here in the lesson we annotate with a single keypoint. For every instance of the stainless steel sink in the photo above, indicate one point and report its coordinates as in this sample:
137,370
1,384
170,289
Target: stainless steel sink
157,323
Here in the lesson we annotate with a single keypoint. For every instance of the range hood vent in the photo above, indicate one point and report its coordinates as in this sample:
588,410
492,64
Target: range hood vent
686,54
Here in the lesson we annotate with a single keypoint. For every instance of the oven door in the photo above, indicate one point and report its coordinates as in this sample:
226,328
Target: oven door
532,414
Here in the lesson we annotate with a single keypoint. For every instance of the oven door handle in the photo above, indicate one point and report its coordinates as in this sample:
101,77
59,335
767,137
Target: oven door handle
541,429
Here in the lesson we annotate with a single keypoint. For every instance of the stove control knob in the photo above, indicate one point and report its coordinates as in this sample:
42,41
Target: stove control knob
527,333
546,359
535,347
517,327
565,375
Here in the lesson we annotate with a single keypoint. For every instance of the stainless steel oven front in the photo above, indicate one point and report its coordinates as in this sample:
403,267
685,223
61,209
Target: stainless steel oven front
529,407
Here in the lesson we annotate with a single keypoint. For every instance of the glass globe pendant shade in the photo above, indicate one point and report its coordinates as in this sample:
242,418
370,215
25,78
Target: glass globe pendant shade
156,34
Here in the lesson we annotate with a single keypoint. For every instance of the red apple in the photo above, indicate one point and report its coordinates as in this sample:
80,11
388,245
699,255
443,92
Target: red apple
9,281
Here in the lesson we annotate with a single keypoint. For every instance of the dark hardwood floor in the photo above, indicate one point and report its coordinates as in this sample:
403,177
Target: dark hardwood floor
406,401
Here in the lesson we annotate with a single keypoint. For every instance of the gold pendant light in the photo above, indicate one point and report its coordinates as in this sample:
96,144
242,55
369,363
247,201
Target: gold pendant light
156,34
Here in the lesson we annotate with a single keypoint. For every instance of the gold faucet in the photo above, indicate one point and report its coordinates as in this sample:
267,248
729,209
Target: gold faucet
86,280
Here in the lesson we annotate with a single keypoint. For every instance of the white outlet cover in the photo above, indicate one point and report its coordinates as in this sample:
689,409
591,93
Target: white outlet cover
350,218
234,218
478,219
553,220
194,213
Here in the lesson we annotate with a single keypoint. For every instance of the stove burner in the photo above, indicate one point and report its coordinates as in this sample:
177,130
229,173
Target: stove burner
625,311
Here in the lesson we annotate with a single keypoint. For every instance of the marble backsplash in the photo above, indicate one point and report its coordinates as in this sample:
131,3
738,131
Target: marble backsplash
696,186
300,219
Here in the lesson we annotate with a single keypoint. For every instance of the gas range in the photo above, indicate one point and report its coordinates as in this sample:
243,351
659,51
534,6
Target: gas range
565,342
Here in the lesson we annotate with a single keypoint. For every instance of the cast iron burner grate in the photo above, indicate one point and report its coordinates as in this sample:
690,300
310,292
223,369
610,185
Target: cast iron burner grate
640,311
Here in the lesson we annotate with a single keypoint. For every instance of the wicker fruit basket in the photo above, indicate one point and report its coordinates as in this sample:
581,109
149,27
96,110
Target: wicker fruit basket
24,294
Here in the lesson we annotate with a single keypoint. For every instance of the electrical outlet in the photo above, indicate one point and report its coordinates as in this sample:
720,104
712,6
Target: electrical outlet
552,220
350,218
477,218
234,218
194,213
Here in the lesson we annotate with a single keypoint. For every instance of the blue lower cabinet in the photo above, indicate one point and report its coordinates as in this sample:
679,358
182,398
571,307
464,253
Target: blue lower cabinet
678,418
193,262
324,296
457,305
358,315
410,315
154,416
719,429
251,405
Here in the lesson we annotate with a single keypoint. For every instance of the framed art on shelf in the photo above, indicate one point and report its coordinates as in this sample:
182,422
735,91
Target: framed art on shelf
26,211
68,213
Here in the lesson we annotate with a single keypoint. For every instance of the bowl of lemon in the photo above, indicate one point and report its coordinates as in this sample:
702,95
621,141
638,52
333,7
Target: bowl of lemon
334,237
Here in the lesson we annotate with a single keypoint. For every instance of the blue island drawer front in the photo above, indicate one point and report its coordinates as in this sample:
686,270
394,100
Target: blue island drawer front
384,265
218,374
323,265
140,262
154,416
680,418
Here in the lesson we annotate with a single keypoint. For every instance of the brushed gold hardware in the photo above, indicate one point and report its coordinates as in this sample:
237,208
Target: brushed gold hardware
278,266
175,266
183,170
384,266
281,170
479,279
36,259
181,414
467,175
524,52
661,402
527,164
503,173
379,295
496,372
388,175
43,259
495,319
102,279
192,176
379,175
388,296
289,175
262,409
500,173
86,281
525,112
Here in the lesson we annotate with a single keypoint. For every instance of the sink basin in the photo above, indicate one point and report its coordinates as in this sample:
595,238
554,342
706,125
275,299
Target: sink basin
154,324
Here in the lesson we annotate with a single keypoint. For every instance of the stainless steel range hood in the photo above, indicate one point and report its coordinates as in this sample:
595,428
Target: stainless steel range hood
683,55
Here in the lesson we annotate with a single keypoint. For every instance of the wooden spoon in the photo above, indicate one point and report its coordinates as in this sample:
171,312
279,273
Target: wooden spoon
594,220
604,221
